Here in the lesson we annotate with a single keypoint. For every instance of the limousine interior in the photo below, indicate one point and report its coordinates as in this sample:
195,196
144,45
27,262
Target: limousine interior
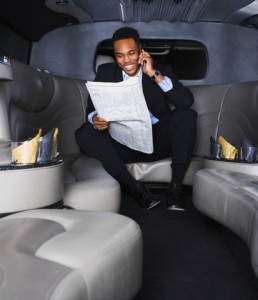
68,230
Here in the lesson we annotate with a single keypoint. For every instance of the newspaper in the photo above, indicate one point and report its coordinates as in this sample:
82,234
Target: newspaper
124,106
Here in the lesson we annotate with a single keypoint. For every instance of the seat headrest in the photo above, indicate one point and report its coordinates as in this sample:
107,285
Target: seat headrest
102,59
31,90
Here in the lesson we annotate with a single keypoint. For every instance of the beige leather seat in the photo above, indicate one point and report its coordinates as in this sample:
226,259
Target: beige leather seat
69,255
230,198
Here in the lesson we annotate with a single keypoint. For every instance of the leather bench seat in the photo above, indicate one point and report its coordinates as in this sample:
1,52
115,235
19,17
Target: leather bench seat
88,186
230,198
69,255
160,171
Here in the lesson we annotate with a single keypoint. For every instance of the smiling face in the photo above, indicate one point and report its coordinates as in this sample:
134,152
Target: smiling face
127,56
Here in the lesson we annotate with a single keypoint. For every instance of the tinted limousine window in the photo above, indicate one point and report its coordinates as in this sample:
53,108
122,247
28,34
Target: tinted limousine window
188,59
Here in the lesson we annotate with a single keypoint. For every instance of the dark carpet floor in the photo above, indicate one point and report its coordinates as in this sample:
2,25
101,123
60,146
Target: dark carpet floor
188,256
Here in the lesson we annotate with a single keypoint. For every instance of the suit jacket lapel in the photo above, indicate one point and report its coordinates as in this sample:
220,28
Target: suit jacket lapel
118,76
147,86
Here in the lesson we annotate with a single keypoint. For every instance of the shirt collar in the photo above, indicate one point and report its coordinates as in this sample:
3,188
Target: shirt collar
139,75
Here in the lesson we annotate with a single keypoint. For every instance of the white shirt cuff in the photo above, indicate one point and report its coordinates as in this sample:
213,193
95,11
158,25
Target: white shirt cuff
166,84
91,115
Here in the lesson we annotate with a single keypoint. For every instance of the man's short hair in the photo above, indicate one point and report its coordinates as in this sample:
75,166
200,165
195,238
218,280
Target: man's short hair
126,33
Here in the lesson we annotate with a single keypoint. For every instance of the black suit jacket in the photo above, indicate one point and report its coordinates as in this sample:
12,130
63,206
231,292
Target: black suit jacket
156,99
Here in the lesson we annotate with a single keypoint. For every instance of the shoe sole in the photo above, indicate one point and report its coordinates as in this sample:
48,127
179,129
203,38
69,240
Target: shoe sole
176,208
153,205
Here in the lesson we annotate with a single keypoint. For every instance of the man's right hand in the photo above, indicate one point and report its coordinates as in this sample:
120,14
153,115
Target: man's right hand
100,123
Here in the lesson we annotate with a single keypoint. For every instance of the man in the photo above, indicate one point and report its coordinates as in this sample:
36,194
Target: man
173,130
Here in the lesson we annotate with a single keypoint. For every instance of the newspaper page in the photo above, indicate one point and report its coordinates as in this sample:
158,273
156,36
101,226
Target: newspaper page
123,105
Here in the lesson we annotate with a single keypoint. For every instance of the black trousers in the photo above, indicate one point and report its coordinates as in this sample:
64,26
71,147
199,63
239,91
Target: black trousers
173,135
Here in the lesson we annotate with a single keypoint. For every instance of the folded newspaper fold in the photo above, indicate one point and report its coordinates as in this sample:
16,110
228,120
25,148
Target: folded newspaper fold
124,106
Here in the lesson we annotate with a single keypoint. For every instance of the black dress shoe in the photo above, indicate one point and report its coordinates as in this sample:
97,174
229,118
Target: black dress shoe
144,197
175,198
